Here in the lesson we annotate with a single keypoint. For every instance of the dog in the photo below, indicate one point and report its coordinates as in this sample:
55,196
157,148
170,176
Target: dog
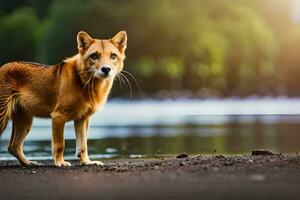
70,91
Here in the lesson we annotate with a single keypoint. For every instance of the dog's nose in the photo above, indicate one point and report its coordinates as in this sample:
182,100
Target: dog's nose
105,70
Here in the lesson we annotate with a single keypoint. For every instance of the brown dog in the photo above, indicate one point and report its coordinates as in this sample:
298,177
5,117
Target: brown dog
72,90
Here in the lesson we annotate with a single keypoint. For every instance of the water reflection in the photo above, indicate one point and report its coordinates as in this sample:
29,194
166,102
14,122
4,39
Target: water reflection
130,129
233,138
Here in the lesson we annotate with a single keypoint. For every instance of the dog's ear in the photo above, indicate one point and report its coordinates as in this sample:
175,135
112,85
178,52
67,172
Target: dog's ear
84,41
120,41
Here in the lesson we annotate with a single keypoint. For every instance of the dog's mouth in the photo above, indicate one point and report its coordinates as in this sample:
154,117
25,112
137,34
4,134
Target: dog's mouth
103,76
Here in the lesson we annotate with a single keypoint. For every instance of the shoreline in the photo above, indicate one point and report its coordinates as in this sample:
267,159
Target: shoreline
225,177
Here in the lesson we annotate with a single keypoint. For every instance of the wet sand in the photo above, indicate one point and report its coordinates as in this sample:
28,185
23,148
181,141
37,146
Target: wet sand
197,177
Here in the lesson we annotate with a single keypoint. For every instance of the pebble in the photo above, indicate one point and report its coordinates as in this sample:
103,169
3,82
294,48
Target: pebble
261,152
183,155
219,156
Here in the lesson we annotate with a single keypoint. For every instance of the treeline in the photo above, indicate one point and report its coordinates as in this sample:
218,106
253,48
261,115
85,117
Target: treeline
191,48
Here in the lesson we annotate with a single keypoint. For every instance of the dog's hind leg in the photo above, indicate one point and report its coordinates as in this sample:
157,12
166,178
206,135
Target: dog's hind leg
21,125
4,113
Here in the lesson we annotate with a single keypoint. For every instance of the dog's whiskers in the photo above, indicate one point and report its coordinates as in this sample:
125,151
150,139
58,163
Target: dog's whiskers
135,81
128,83
89,79
119,81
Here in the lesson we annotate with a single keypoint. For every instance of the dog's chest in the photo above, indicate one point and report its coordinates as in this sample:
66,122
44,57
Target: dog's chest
84,109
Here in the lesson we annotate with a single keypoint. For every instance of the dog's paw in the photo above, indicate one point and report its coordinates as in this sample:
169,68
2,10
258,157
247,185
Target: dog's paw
99,163
62,164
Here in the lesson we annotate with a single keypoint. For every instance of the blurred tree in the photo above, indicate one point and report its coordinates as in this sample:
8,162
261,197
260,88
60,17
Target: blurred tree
278,14
8,6
194,47
40,6
253,48
19,36
61,27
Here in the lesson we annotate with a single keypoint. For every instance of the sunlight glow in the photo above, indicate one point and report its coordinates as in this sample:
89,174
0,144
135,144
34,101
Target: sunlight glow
296,11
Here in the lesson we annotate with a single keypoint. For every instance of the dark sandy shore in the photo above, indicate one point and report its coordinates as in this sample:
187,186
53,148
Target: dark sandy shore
203,177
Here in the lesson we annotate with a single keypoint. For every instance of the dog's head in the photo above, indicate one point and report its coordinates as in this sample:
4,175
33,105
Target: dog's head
101,58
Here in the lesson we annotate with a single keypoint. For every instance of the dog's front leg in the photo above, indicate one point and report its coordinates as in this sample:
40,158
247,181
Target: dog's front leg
58,142
81,127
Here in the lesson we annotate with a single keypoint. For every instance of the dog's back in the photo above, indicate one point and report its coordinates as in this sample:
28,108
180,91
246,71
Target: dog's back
26,85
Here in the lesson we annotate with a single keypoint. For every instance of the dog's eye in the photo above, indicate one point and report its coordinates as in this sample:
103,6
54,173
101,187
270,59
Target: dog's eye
113,56
94,56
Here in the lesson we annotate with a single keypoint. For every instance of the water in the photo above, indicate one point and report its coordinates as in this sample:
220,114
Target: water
144,128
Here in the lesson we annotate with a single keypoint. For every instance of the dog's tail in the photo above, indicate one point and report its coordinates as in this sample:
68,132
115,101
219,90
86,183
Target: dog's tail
7,106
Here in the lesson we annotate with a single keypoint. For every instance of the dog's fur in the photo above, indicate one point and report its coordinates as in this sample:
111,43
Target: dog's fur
71,90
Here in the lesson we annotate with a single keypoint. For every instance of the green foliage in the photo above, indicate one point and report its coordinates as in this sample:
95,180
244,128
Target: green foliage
19,36
222,47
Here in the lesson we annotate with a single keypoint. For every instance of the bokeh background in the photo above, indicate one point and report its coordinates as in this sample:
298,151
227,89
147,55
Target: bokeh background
212,76
192,48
